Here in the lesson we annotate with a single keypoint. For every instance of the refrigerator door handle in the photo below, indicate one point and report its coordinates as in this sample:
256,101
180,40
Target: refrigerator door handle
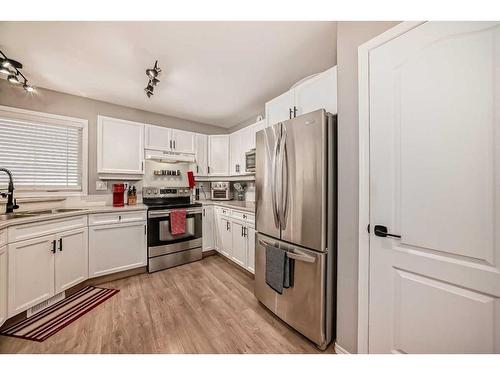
300,256
274,173
284,179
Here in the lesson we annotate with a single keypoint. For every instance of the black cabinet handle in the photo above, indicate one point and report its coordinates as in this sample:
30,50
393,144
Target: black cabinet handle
381,231
242,234
290,113
60,244
54,246
294,111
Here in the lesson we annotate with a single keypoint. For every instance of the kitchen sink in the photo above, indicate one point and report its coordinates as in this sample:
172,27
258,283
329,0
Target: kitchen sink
18,215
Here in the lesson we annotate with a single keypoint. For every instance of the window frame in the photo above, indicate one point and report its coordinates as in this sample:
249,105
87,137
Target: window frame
19,114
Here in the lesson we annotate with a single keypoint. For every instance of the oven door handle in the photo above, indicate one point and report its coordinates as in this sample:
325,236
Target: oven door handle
166,213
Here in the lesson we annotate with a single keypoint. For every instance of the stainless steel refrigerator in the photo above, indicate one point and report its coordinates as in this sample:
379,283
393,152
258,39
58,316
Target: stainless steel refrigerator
296,204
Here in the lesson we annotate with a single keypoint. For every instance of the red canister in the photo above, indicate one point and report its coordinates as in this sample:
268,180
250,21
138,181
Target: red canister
118,195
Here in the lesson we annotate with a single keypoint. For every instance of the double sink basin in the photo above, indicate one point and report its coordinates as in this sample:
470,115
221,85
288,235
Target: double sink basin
18,215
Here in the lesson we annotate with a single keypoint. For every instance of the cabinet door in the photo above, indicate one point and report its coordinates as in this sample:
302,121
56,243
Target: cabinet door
72,262
278,109
158,138
117,247
30,273
183,141
319,92
218,155
250,265
226,238
239,243
217,229
208,228
236,146
120,146
3,284
201,155
257,127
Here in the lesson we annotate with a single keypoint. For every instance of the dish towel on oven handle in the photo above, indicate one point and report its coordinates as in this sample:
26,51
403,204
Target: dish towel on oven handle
178,222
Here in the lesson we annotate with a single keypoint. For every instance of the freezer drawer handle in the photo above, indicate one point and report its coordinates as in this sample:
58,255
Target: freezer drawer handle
297,255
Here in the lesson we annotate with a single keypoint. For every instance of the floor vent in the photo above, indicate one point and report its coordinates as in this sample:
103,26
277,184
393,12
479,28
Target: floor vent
43,305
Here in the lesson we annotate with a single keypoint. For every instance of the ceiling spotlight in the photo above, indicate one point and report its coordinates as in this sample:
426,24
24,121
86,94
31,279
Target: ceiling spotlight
27,87
12,69
152,74
13,79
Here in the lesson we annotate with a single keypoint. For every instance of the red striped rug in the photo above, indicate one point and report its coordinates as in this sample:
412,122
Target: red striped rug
45,323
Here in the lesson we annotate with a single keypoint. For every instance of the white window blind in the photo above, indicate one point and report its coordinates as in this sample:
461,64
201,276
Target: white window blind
41,156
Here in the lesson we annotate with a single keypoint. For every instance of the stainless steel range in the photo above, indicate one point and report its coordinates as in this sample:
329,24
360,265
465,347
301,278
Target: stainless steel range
166,249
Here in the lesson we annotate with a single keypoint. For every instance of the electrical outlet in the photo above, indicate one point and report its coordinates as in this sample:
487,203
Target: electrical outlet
101,185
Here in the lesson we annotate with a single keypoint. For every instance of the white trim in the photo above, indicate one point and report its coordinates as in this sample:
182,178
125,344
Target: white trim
340,350
364,175
28,115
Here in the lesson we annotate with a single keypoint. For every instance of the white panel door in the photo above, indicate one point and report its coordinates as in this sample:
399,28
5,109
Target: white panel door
3,284
217,229
120,146
183,141
250,234
218,155
30,273
434,157
201,155
280,108
158,138
239,243
208,228
257,127
72,261
319,92
116,247
225,237
236,146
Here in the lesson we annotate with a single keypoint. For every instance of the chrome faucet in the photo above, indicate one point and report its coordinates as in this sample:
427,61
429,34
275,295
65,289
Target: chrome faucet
11,202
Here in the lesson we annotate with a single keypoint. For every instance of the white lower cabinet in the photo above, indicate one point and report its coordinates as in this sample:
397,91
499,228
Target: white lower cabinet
225,236
3,284
208,228
234,236
41,267
117,247
72,259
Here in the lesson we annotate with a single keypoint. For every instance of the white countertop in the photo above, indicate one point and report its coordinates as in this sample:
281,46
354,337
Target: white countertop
240,205
85,210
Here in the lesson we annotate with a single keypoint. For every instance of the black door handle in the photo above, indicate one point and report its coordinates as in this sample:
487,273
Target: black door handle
290,113
381,231
54,246
60,244
294,111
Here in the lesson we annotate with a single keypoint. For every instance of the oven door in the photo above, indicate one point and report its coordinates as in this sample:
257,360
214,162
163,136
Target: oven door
161,241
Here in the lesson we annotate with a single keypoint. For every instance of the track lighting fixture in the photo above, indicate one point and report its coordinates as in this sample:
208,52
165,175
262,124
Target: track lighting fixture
152,74
12,69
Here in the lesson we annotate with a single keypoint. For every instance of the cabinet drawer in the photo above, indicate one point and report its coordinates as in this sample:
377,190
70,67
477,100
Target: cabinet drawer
225,211
3,237
242,215
38,229
116,218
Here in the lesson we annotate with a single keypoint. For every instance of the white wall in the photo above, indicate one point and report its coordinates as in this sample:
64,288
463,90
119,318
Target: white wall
350,35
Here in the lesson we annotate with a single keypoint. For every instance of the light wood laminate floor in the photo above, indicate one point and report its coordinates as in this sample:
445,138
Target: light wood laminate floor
202,307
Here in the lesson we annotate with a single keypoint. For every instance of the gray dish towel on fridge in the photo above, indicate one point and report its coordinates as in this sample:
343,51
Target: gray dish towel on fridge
277,269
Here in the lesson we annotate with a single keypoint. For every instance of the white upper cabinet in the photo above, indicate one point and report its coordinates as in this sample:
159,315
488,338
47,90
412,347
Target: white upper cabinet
257,127
158,138
165,139
280,108
237,150
183,141
319,91
120,146
201,150
218,155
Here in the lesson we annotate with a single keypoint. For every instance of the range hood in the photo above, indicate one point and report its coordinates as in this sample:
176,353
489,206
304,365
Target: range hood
169,157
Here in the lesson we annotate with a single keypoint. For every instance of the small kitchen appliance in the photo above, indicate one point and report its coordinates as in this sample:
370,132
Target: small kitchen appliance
118,195
220,191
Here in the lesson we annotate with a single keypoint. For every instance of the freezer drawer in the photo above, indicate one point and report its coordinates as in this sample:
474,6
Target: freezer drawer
302,306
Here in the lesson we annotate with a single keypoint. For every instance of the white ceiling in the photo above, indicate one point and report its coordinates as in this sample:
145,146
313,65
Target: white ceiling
219,73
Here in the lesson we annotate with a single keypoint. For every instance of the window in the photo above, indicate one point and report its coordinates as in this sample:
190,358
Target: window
44,152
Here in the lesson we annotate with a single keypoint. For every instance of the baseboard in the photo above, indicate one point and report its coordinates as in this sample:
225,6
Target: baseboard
340,350
208,253
251,275
115,276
